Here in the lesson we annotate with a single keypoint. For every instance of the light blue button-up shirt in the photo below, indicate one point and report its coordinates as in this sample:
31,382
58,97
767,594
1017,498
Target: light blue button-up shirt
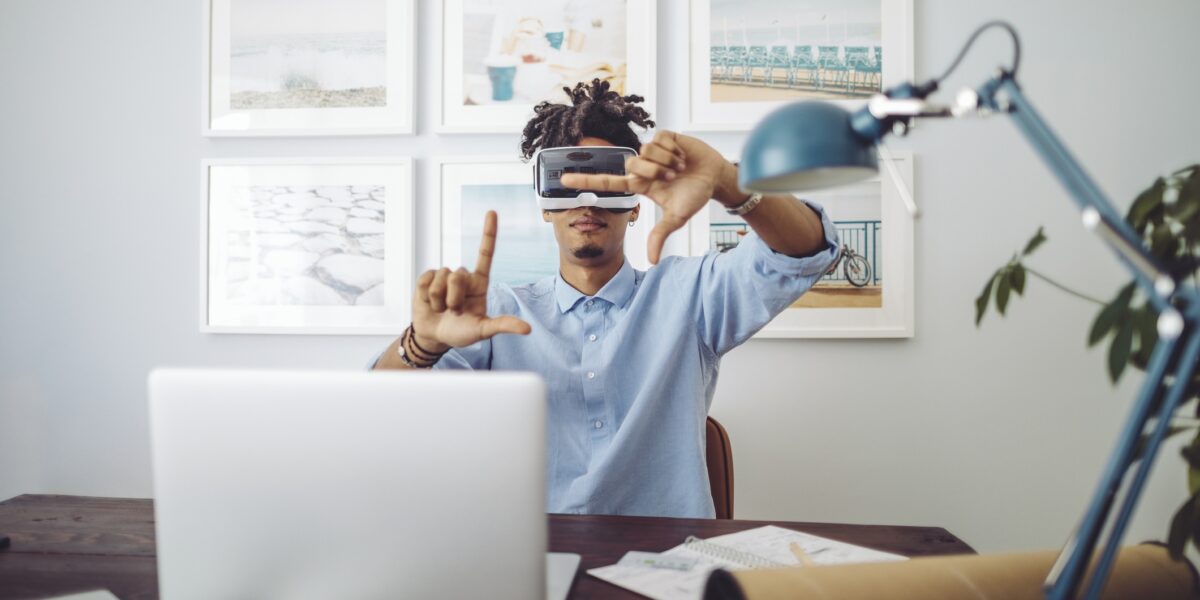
631,371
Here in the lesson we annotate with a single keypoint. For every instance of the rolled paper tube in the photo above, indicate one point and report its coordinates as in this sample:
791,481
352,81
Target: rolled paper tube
1140,572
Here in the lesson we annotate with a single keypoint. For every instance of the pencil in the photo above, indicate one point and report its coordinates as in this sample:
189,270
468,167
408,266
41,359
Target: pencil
800,554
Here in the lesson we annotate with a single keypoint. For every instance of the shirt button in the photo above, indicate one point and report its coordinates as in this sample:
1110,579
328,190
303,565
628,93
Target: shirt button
592,338
589,302
599,424
591,374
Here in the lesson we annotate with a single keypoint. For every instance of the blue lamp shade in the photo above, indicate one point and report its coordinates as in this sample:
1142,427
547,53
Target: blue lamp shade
805,145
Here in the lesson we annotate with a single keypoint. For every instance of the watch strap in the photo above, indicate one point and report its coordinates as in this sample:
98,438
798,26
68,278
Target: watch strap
746,206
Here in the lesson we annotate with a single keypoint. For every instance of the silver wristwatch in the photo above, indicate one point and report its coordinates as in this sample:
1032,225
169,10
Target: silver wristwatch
746,206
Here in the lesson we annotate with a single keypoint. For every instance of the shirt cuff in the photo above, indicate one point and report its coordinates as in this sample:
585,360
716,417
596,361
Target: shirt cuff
807,266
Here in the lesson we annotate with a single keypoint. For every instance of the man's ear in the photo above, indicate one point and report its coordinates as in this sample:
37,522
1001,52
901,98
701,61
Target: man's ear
546,216
633,216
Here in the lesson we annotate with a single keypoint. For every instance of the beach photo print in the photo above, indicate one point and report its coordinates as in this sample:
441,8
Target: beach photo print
501,57
526,250
867,292
310,67
308,246
748,57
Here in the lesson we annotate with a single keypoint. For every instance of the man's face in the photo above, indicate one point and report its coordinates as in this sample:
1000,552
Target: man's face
589,235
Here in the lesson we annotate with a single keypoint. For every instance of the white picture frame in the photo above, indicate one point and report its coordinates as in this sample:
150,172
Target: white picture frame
895,50
271,265
455,174
455,116
301,62
894,316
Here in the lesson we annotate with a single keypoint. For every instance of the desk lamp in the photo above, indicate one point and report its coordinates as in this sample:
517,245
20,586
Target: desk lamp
811,145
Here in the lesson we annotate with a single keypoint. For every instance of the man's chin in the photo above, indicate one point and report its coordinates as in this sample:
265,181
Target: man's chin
587,252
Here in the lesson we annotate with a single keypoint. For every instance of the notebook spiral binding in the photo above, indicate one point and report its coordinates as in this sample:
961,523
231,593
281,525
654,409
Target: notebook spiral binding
737,557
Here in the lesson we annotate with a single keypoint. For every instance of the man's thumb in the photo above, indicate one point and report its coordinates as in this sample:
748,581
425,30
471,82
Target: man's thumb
658,238
505,324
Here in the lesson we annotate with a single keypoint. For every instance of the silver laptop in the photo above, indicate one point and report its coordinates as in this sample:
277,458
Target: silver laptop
301,484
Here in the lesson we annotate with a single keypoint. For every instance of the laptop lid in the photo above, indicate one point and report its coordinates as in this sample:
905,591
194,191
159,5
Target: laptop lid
301,484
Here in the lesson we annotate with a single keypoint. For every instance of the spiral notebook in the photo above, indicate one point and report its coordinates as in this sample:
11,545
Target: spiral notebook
764,547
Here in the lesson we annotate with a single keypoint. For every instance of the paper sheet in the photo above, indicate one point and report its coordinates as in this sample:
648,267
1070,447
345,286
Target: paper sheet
767,542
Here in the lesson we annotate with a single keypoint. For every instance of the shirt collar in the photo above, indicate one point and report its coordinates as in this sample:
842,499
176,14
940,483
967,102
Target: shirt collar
617,290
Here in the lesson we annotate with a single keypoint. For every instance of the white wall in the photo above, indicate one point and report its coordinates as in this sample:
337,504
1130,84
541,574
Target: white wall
997,434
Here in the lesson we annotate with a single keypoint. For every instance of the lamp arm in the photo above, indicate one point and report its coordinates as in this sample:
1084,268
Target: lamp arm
894,110
1182,368
1004,95
1173,358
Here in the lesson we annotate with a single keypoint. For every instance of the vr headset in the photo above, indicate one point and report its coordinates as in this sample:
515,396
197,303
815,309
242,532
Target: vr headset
550,164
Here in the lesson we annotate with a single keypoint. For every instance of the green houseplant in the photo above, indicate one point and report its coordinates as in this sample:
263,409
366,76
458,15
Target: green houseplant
1167,216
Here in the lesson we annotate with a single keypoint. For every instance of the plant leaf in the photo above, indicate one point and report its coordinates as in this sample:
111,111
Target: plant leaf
1196,524
1190,190
1146,327
1035,241
1182,525
1193,457
1151,198
1018,278
1002,291
1185,210
1191,454
1188,205
1118,352
1163,243
982,301
1109,314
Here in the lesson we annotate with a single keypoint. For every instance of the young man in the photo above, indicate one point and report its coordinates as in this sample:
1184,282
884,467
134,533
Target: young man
630,357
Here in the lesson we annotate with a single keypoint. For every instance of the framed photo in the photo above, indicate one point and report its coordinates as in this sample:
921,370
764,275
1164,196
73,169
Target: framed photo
501,57
869,291
526,250
748,57
307,246
309,67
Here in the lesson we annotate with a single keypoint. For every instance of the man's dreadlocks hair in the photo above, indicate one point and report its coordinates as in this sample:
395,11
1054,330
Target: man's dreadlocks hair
595,111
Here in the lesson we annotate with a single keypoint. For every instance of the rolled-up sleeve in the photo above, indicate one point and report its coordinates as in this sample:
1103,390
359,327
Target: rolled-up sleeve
743,289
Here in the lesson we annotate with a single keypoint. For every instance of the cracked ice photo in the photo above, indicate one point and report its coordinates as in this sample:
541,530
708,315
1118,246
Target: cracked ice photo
308,245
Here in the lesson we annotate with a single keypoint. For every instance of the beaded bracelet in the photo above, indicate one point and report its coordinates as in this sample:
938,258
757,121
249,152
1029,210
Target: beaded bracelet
408,345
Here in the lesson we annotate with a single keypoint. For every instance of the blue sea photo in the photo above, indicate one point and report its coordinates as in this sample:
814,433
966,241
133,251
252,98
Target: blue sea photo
525,247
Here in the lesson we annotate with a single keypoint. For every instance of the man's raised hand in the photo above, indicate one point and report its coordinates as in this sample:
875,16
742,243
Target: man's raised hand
450,307
678,172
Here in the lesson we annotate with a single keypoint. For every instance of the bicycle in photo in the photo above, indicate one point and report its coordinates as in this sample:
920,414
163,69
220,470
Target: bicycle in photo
855,266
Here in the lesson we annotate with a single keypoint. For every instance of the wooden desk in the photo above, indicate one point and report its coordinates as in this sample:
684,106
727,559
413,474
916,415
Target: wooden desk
64,544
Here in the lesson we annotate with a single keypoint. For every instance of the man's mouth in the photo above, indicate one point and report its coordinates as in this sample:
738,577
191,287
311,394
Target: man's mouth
587,224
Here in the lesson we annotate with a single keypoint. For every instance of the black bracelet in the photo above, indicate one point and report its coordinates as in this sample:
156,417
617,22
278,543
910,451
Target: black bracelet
413,337
407,355
408,349
410,340
403,352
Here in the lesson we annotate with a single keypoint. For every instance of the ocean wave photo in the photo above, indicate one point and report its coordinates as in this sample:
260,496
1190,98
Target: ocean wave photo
308,54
